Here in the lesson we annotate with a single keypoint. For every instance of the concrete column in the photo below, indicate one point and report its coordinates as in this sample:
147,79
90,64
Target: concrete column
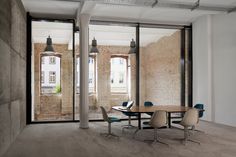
84,69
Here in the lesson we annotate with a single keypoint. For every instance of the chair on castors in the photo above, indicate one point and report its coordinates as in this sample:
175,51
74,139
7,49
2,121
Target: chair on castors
128,104
109,120
189,120
158,120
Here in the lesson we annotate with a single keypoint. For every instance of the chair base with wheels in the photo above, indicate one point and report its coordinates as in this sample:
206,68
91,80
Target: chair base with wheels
187,135
156,140
129,104
129,125
189,120
158,121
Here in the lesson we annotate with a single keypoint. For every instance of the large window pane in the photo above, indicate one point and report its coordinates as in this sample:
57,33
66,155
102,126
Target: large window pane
160,66
115,68
52,71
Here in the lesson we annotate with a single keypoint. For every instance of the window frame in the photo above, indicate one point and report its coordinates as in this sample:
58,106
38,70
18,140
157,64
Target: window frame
55,54
126,60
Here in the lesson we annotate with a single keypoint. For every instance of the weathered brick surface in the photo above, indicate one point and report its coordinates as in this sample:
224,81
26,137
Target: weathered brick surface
160,71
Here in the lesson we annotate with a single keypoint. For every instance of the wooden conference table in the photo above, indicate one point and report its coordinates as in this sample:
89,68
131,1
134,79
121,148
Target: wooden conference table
150,109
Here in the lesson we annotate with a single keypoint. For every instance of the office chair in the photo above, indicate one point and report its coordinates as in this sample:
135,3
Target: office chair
109,120
158,120
189,120
200,107
129,104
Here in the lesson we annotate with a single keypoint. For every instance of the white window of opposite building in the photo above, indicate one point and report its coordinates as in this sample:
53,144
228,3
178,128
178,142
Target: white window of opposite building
119,74
50,74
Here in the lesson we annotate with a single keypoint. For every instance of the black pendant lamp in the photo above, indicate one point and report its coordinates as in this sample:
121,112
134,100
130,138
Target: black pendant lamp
94,48
132,47
49,47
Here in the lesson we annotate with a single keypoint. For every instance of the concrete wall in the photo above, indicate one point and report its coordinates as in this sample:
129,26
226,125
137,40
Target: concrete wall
12,71
224,63
214,73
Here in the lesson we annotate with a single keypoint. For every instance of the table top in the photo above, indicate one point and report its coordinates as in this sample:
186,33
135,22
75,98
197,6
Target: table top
145,109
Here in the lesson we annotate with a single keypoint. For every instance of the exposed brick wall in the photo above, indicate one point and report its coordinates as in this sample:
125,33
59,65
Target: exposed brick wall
54,104
160,71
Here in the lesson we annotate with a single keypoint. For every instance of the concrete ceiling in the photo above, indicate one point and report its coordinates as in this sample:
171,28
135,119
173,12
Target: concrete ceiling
61,33
146,11
178,12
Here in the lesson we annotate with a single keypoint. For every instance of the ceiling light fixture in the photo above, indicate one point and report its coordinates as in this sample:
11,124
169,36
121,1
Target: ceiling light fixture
132,47
94,48
49,47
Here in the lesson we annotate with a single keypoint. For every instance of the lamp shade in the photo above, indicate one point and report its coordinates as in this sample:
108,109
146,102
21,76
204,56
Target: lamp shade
94,48
49,47
132,47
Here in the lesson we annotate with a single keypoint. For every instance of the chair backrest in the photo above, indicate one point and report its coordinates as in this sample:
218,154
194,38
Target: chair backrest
148,103
158,119
125,103
104,114
201,108
129,104
190,117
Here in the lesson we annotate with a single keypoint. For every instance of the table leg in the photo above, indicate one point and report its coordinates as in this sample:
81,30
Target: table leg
169,119
139,120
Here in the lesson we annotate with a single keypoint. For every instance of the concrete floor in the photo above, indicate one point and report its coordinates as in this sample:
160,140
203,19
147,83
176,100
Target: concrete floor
68,140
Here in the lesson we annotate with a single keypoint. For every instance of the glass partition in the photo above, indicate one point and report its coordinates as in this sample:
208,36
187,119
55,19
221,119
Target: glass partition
114,69
52,71
160,73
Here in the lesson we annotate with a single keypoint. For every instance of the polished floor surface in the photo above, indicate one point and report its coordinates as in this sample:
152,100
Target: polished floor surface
68,140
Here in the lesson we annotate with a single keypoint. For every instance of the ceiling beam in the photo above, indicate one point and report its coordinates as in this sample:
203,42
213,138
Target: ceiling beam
197,4
155,3
231,10
174,5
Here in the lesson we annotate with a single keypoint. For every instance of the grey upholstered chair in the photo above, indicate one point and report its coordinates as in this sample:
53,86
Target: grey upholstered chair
158,120
190,120
109,120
